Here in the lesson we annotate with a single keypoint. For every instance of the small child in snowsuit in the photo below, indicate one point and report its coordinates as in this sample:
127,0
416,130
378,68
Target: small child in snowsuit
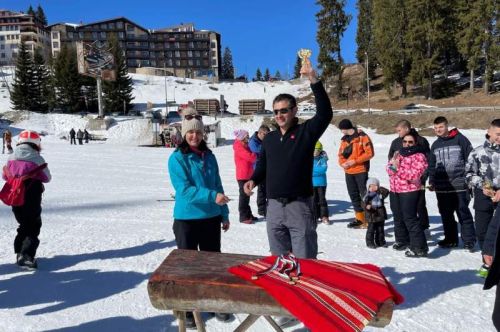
320,167
375,213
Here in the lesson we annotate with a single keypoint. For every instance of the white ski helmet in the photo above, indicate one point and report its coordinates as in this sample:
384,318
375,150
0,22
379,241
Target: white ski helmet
29,136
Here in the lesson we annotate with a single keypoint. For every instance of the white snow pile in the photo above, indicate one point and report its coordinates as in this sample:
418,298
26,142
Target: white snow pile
133,132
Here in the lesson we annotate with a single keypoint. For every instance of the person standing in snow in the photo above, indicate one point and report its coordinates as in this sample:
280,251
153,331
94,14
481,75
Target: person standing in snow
447,159
286,157
7,141
255,145
200,210
26,160
375,213
72,135
320,167
482,174
355,152
405,170
79,135
244,160
403,127
86,135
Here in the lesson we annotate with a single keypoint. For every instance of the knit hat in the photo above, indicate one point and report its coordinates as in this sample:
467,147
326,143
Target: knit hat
318,146
345,124
372,181
193,124
189,111
240,134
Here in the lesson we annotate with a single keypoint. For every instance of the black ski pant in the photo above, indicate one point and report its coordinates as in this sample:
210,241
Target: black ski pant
262,199
423,215
320,204
80,141
244,203
483,213
356,187
407,227
496,309
448,205
198,234
73,140
375,233
29,217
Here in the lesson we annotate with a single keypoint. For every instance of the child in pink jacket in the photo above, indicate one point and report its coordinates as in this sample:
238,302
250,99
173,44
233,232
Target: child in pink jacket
244,160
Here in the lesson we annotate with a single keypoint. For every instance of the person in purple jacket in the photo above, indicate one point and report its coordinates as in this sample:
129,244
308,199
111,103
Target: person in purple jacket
26,159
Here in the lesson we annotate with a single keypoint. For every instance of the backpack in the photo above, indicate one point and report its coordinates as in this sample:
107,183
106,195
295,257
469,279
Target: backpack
13,191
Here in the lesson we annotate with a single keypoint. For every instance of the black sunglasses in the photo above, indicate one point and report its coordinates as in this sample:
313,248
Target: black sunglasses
191,117
282,111
409,142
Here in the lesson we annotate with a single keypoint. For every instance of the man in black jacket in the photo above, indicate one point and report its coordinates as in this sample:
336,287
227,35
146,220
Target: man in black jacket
286,164
446,168
403,127
491,257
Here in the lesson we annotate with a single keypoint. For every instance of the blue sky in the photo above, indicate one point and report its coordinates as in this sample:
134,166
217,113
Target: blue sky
259,33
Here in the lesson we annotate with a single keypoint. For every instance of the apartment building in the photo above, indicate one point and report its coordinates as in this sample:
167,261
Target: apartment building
16,27
179,50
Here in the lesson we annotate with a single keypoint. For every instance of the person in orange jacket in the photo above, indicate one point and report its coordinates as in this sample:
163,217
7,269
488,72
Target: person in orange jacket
356,150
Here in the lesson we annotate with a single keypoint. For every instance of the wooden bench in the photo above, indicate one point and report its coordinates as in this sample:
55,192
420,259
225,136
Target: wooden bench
190,280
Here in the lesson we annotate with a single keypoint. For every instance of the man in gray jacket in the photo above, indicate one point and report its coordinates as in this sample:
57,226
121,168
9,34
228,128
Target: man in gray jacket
446,168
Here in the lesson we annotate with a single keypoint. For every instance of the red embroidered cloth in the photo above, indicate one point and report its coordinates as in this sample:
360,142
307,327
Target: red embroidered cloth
328,296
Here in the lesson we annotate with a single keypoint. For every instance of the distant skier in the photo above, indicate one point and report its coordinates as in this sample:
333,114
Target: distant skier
72,135
86,135
79,135
26,160
7,141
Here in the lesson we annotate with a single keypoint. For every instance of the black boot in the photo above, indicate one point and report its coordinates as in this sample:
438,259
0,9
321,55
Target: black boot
26,262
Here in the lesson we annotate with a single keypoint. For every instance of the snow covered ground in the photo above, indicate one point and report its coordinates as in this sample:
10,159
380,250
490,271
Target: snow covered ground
104,232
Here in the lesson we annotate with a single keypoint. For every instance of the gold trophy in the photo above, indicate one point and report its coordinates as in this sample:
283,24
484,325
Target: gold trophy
487,185
304,52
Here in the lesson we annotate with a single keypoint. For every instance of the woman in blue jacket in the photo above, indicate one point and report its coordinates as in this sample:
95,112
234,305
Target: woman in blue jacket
319,183
200,210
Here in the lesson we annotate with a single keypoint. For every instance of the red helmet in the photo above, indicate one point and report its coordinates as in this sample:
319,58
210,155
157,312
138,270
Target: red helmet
29,136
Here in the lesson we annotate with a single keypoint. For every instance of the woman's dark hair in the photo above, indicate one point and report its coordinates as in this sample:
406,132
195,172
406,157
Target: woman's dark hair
33,145
412,134
184,146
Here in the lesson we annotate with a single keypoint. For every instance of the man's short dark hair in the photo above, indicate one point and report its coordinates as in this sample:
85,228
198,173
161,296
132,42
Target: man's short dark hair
292,102
440,119
495,123
264,128
403,123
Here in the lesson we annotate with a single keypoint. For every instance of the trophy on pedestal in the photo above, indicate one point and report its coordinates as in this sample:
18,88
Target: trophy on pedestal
304,52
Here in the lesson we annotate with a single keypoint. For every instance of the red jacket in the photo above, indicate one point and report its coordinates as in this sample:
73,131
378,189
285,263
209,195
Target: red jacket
244,160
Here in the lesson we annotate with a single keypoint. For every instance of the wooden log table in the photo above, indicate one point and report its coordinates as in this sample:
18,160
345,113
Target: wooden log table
190,280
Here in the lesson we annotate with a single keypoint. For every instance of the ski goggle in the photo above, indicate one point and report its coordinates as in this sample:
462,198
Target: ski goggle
282,111
191,117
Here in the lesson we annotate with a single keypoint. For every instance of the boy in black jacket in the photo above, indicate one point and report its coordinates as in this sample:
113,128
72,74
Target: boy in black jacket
375,213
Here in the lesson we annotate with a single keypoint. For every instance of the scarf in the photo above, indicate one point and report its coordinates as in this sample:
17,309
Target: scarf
372,198
411,150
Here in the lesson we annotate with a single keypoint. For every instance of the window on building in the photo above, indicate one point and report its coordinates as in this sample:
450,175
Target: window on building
111,25
176,35
165,35
2,37
190,62
190,54
130,44
143,36
144,63
144,53
197,54
198,44
130,35
132,62
144,45
152,54
198,62
2,47
153,63
167,45
177,63
81,34
103,34
130,28
70,35
55,35
121,34
98,43
95,26
94,35
130,53
3,55
119,24
153,36
212,45
55,44
177,45
177,54
14,46
152,45
191,44
169,54
212,53
104,26
214,62
169,62
204,54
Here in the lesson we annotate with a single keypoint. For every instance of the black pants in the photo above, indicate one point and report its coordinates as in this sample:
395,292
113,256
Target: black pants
72,140
496,310
320,204
375,233
29,217
202,234
80,141
483,213
407,227
448,205
423,215
244,203
262,199
356,187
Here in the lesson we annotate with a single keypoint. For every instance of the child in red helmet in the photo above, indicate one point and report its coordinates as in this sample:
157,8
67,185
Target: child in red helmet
26,159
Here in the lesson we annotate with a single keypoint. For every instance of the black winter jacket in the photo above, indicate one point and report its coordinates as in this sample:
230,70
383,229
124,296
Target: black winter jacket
491,247
286,161
378,214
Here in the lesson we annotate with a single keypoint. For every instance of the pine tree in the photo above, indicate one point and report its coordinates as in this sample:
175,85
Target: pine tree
277,76
68,80
51,96
119,92
267,76
390,42
297,67
332,23
227,65
41,15
364,36
258,75
41,83
22,88
30,11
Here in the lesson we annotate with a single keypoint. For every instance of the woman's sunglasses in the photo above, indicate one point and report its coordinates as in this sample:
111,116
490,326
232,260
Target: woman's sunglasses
282,111
408,142
191,117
